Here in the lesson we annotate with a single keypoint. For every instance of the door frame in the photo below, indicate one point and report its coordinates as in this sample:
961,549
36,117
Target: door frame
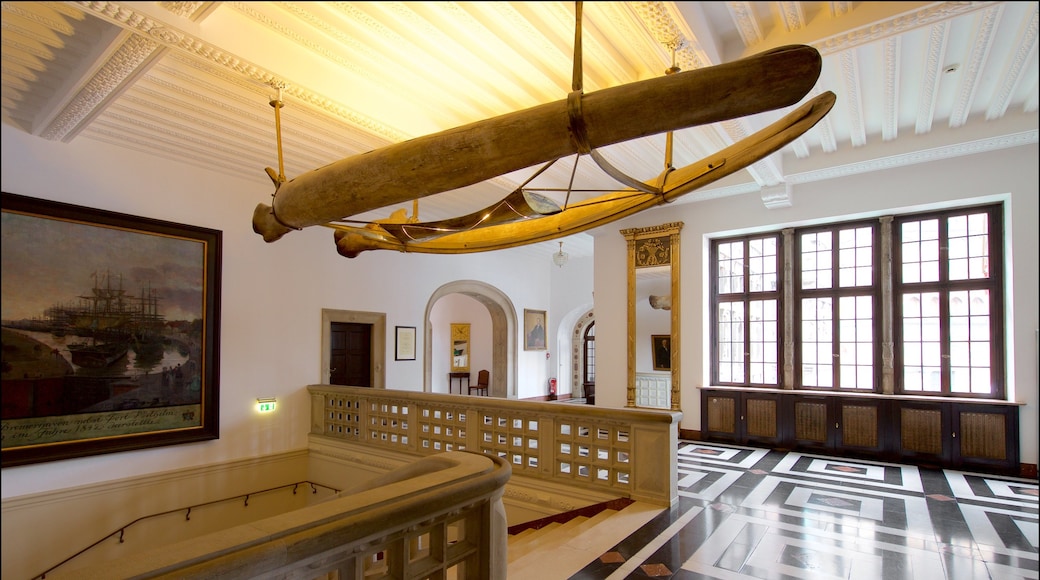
378,322
503,335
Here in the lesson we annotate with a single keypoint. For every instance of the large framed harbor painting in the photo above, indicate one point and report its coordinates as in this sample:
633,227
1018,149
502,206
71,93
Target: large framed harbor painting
110,331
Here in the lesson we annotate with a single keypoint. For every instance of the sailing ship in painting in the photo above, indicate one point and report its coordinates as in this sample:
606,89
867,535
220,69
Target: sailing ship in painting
107,348
112,321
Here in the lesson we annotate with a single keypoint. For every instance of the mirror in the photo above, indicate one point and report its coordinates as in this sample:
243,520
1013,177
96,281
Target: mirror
460,347
653,316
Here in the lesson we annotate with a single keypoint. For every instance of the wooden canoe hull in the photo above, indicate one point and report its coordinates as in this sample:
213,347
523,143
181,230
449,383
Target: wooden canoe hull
486,149
351,241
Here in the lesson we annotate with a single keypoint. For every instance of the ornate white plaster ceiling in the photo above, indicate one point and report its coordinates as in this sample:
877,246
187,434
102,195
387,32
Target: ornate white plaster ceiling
192,81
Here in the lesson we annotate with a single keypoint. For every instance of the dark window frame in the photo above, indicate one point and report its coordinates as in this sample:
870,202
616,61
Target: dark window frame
887,305
836,292
944,286
746,297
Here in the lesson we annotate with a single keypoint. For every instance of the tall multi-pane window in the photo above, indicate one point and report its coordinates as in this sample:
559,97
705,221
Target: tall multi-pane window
835,297
937,311
948,290
747,312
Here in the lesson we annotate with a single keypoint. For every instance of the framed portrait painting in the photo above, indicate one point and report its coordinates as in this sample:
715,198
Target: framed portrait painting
662,349
110,331
534,329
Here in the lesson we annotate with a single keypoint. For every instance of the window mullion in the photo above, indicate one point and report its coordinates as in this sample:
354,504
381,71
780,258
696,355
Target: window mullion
945,371
787,309
886,308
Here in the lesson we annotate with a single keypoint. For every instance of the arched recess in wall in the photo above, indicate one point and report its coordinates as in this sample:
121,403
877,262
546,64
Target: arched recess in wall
577,354
503,332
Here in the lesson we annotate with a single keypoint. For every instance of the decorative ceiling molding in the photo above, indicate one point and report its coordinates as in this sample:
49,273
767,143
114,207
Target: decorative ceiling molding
133,54
1016,69
777,196
747,25
890,95
853,97
83,69
972,70
938,37
878,30
915,157
881,164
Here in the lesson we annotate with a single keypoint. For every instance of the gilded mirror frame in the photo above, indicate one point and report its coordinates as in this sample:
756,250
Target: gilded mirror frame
652,247
460,347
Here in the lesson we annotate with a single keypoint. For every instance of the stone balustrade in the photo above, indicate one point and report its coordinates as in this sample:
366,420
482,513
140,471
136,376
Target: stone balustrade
624,452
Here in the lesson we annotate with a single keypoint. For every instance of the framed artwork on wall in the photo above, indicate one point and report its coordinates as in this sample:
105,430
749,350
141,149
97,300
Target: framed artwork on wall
404,343
460,349
110,331
662,349
534,329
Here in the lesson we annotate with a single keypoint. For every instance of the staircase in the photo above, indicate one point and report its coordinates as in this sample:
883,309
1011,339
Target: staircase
562,545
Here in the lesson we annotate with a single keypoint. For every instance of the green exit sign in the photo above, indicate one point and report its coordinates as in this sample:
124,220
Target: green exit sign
265,406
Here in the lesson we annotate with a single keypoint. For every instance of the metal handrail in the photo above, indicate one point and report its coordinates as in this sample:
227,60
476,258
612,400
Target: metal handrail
121,531
438,514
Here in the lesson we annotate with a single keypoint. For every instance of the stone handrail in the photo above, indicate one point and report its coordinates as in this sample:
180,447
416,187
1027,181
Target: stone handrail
627,452
441,516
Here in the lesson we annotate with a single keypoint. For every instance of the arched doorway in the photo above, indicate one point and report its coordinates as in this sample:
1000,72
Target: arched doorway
503,331
583,371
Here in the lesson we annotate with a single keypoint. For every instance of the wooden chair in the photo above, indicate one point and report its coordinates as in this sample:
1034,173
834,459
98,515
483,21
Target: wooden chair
483,378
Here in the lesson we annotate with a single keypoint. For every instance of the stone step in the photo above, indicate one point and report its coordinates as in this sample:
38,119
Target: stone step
566,553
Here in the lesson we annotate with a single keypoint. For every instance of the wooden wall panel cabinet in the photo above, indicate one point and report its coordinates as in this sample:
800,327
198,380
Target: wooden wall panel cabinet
741,417
941,433
985,437
830,424
719,416
812,419
923,433
761,418
861,427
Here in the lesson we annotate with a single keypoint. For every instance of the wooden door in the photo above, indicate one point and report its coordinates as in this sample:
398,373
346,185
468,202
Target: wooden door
350,357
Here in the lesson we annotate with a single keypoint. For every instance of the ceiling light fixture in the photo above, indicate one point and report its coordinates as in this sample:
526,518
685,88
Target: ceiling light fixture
560,258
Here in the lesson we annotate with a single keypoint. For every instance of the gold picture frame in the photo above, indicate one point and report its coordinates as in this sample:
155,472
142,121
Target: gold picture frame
661,348
534,330
460,347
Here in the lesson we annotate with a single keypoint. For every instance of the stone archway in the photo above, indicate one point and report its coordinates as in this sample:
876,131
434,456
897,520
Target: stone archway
503,332
577,352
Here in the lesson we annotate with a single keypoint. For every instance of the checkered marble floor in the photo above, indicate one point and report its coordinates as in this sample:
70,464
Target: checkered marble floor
753,513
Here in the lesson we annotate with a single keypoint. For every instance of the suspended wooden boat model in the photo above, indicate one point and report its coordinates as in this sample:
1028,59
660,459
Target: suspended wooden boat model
440,238
579,124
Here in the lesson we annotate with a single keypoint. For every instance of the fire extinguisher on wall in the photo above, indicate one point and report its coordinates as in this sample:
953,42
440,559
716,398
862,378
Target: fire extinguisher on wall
552,389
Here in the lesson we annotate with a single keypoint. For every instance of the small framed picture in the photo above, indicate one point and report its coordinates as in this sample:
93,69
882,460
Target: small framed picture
534,329
662,348
404,343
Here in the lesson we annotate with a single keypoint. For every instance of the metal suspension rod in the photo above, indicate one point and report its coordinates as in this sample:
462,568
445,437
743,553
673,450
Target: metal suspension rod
278,104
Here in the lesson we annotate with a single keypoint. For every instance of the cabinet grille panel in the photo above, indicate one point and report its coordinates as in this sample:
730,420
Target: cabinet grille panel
722,416
922,430
859,425
761,418
810,422
982,435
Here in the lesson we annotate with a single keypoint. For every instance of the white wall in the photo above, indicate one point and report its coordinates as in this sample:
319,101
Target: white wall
571,299
1009,175
273,295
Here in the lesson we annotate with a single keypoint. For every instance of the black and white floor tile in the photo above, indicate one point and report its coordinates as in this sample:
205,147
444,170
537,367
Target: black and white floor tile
748,513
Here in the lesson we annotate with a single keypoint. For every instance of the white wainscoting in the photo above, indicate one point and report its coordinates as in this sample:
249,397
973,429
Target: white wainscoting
654,390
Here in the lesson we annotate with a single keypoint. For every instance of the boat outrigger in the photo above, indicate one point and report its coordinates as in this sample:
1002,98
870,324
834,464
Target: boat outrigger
577,125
